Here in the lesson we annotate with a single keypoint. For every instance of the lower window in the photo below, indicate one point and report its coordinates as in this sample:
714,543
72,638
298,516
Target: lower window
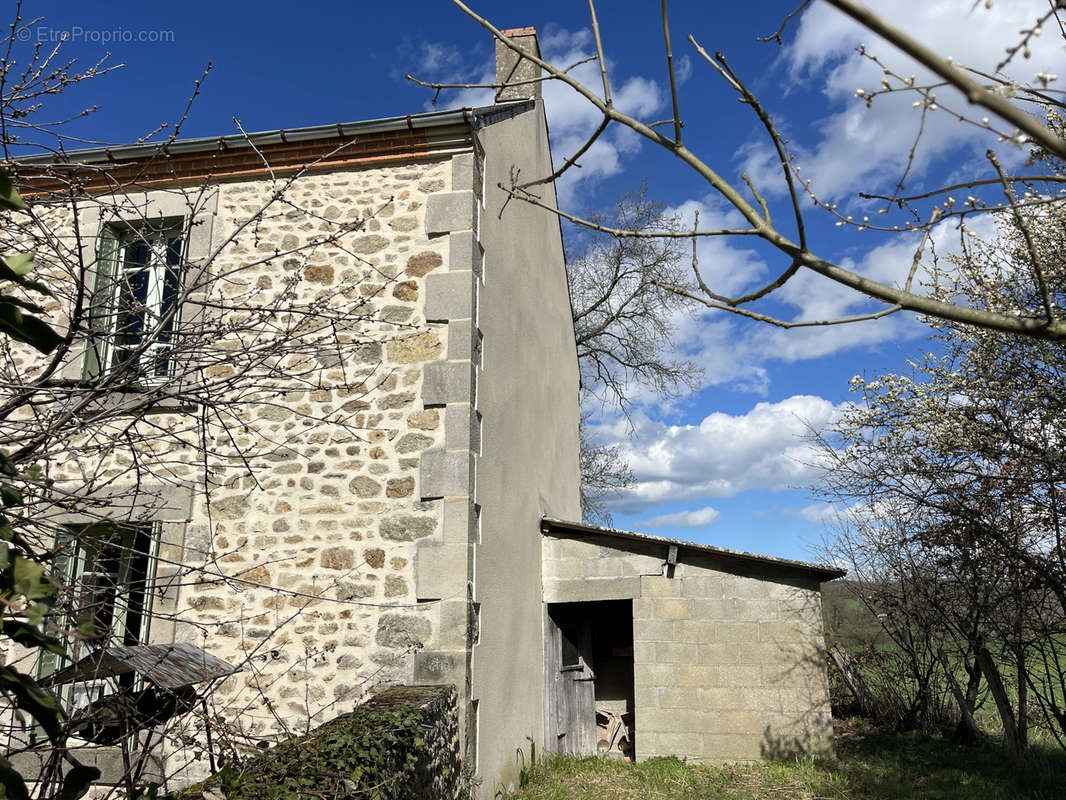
106,570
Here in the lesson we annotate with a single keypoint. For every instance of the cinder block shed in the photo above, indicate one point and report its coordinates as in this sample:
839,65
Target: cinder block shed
683,649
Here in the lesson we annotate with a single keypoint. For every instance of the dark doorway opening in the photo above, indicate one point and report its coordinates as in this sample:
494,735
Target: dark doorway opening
588,653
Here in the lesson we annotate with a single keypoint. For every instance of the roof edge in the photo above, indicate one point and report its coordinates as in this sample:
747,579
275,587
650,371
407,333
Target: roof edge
550,525
407,122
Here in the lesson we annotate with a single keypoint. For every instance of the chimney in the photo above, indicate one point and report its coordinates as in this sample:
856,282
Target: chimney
512,68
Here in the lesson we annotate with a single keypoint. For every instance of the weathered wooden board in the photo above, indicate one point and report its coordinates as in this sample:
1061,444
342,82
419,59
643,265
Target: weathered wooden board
570,689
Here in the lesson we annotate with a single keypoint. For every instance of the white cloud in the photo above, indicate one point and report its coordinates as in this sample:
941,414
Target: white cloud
820,513
444,59
721,346
684,519
683,69
860,147
443,62
727,265
815,297
740,353
571,118
766,448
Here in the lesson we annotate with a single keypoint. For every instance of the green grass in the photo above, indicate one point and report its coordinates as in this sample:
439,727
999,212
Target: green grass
884,764
870,765
564,778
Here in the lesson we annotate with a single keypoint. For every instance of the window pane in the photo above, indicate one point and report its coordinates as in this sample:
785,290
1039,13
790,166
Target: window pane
136,580
170,284
137,312
107,574
132,295
169,296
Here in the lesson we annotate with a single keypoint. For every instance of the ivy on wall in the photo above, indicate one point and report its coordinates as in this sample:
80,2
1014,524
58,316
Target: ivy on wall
402,743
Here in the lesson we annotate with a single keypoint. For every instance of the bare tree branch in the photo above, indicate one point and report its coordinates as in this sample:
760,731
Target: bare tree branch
974,92
673,76
1028,321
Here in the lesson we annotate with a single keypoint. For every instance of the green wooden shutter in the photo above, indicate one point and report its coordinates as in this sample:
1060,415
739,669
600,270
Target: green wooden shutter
66,545
108,247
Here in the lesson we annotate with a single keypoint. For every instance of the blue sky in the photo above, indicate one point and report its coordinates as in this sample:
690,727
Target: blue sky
728,465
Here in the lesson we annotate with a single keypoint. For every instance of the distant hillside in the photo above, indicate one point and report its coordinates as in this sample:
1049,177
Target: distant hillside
848,621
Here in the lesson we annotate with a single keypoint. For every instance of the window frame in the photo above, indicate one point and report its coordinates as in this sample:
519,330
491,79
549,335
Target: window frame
112,280
197,210
141,543
168,509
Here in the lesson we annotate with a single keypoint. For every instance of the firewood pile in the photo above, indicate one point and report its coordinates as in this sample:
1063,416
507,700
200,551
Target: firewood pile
614,734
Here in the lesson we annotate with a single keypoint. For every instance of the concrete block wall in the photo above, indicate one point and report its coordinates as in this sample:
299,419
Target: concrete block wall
577,570
728,655
729,667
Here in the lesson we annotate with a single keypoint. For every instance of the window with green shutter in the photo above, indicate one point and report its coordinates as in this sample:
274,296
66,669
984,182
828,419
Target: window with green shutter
133,311
106,570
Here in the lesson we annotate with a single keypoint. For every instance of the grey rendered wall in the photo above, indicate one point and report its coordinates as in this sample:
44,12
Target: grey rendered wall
528,467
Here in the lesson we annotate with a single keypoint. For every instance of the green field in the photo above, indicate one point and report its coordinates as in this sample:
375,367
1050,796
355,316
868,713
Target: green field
851,625
871,764
847,621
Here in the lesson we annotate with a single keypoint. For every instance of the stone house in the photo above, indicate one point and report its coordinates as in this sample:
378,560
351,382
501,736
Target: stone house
433,547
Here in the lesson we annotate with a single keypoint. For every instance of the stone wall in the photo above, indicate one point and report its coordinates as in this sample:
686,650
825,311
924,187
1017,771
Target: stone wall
322,541
728,654
288,530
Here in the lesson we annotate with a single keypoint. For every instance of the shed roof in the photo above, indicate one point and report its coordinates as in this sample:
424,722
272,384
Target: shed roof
169,666
549,526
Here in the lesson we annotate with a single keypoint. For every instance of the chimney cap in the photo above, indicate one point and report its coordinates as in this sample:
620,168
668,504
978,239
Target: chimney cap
510,33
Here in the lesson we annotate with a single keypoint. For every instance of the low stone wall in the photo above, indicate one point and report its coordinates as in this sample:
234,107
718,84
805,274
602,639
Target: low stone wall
437,773
402,743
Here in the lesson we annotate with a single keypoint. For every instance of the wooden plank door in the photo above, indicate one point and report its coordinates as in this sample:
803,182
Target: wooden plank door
570,687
